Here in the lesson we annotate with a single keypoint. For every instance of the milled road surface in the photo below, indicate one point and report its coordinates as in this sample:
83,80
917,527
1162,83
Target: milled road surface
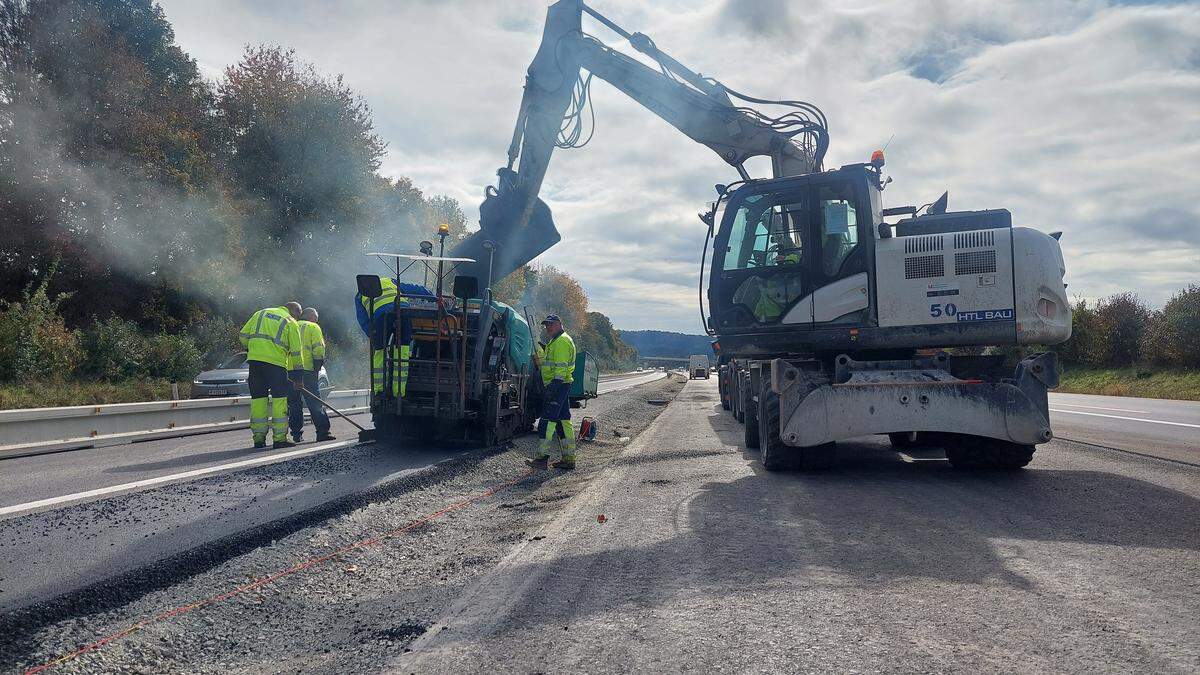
1086,561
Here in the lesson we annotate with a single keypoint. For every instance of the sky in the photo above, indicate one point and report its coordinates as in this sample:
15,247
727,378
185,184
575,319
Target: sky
1077,116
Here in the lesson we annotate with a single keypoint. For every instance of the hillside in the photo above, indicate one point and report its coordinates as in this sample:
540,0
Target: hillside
665,343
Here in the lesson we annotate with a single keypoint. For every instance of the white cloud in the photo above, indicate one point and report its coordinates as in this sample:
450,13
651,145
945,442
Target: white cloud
1077,116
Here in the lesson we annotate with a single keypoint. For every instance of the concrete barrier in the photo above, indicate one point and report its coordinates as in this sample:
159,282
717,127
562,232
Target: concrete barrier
35,431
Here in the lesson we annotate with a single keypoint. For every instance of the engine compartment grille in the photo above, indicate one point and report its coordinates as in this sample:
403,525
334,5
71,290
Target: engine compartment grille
975,262
926,266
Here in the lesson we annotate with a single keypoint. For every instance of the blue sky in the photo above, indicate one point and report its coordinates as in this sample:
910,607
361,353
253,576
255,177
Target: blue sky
1076,116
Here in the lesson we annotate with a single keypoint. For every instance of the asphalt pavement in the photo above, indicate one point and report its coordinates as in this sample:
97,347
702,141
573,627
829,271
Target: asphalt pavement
685,555
1150,426
75,518
43,482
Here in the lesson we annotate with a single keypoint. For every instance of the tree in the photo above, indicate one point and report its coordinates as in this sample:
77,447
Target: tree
557,292
1081,348
1173,336
1120,322
108,154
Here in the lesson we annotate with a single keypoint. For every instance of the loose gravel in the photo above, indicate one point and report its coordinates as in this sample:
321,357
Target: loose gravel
350,614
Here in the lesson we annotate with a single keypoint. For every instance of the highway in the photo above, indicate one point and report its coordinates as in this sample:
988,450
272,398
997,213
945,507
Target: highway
121,519
1085,561
1155,427
48,481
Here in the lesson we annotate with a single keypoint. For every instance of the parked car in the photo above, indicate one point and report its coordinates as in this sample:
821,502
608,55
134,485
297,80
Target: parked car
231,379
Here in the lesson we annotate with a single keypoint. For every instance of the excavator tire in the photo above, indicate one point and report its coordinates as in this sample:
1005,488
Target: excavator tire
778,456
751,431
969,452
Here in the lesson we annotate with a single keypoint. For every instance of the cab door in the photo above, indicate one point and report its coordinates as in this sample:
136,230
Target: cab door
841,256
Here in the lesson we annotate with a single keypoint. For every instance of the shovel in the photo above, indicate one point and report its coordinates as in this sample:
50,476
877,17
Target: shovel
339,413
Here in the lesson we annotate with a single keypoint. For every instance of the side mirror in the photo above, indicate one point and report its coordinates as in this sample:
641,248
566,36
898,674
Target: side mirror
466,287
885,231
369,285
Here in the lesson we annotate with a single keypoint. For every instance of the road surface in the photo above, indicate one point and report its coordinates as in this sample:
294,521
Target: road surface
1088,561
1168,429
123,520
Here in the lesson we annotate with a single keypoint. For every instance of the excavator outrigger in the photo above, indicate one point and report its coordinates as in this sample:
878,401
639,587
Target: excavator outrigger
829,320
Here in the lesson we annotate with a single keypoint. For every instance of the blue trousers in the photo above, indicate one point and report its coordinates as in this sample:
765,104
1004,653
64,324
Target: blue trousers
296,411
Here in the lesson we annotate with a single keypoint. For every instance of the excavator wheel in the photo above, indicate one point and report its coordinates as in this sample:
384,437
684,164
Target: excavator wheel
751,432
973,452
776,455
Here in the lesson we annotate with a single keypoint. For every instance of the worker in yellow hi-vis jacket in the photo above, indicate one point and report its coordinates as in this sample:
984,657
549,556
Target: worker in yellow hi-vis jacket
557,360
272,340
312,359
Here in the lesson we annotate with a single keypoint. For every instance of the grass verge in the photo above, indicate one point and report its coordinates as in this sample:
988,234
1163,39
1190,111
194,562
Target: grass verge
55,394
1181,385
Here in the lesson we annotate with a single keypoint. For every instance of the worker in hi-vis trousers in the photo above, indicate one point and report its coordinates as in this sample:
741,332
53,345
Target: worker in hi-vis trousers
386,336
557,361
312,359
272,340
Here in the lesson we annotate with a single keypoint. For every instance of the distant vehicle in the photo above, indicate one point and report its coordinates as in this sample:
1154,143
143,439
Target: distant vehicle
697,366
231,379
639,369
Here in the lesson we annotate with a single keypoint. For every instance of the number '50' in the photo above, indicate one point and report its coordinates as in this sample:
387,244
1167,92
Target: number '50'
937,309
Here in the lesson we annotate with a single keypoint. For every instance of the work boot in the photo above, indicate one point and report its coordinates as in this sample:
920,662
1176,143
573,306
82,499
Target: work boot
260,443
285,443
298,438
566,463
538,463
326,437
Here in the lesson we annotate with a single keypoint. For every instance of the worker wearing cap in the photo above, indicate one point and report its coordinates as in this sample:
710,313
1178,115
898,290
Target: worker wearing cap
383,315
312,359
557,361
272,341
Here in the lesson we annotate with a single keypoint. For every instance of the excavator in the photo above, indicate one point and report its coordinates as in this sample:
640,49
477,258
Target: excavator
832,316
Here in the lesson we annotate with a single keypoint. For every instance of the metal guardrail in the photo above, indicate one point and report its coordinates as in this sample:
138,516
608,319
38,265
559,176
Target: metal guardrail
35,431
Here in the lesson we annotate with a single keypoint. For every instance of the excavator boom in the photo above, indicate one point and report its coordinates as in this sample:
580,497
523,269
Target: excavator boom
520,226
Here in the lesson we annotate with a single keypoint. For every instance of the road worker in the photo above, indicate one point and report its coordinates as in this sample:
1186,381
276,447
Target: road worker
312,358
381,312
272,341
557,361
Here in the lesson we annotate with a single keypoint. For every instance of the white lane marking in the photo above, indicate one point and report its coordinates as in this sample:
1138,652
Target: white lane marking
1097,407
195,473
1122,417
159,480
627,384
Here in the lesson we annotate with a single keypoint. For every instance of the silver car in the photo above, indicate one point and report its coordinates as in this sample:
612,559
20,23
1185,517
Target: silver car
231,379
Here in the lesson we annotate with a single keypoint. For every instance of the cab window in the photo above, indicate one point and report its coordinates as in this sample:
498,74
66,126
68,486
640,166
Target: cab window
766,235
839,226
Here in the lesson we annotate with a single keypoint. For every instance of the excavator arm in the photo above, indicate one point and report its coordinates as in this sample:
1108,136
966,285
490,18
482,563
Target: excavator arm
519,224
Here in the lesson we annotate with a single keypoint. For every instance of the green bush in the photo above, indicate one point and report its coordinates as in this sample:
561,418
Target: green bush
215,337
175,357
35,343
1173,336
115,349
1121,320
